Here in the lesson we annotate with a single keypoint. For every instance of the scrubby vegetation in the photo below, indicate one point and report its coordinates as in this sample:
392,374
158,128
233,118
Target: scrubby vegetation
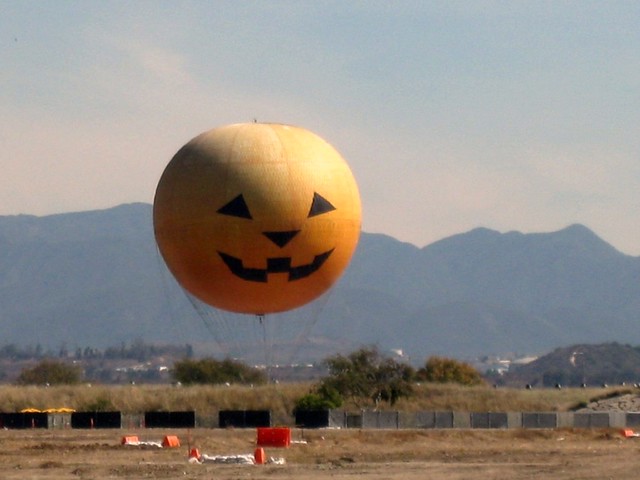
448,370
366,378
211,371
363,379
50,372
281,399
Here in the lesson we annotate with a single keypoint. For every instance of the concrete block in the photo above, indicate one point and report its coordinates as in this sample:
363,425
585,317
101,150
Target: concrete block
539,420
461,420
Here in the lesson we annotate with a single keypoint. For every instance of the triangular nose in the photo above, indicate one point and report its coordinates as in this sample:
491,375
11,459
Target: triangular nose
281,238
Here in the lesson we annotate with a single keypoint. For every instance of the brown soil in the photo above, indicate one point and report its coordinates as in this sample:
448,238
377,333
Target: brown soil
339,454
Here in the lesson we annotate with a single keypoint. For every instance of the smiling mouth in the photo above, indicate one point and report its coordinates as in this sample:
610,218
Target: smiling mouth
274,265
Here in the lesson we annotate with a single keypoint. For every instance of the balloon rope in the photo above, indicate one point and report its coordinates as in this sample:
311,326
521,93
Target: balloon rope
262,320
314,311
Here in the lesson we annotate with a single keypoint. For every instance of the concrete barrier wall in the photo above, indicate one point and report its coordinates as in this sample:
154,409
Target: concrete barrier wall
364,419
632,419
175,419
353,420
244,418
432,419
132,420
514,419
416,420
92,420
617,419
312,418
18,420
489,420
337,419
461,420
59,420
387,420
591,420
539,420
482,420
447,420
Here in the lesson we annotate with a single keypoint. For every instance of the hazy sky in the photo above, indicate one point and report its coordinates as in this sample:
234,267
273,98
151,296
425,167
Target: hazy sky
510,115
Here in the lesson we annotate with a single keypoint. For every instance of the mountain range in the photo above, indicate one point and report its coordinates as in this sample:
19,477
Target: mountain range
97,279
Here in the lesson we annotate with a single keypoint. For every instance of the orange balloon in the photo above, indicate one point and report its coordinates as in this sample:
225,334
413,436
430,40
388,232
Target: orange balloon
257,218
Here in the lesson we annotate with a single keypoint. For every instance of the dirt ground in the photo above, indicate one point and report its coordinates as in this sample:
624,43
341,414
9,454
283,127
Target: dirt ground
315,454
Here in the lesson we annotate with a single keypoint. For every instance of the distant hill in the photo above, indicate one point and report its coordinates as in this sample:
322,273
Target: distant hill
96,279
589,365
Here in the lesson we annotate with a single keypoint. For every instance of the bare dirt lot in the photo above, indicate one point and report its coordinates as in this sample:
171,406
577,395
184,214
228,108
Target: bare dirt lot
338,454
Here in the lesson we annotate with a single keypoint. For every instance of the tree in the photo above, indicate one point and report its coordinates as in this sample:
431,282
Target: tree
211,371
50,372
366,375
448,370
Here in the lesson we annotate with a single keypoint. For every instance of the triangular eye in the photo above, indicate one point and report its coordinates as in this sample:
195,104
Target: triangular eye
320,205
236,208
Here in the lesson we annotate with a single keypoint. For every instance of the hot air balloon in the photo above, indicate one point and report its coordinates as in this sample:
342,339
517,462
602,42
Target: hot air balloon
257,218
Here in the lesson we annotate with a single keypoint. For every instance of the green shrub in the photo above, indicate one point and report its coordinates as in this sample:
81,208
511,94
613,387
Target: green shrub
318,401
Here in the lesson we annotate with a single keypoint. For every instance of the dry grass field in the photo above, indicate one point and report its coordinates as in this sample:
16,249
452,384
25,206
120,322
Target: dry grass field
338,454
280,399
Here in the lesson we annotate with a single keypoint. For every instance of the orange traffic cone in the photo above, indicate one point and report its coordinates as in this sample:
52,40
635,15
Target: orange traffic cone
260,456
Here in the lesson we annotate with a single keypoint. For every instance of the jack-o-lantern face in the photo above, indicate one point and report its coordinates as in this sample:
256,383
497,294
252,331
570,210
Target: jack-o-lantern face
257,218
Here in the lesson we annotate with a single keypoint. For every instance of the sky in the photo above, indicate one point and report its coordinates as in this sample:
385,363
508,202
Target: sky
514,115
